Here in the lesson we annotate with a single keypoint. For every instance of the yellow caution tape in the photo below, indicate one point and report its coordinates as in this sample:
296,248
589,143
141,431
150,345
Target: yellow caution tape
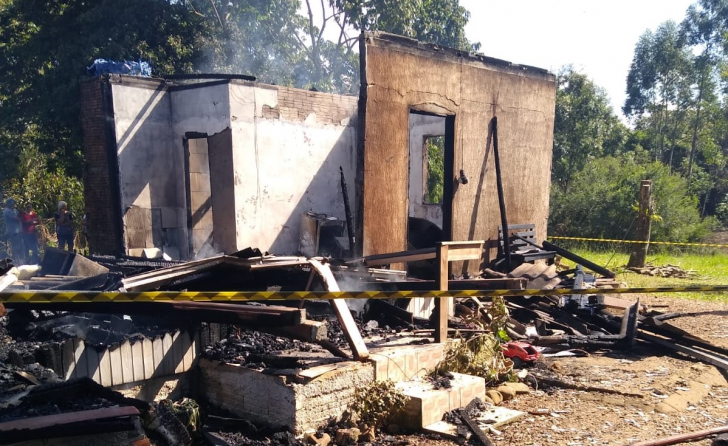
717,245
42,297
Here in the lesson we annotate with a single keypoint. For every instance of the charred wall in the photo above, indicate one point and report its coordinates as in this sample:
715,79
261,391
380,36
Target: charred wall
100,174
288,147
400,75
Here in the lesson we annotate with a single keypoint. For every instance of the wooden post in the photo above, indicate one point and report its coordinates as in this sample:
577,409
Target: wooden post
644,223
442,303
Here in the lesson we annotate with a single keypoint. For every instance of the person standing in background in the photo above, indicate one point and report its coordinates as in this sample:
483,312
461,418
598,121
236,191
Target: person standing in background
13,230
29,220
64,226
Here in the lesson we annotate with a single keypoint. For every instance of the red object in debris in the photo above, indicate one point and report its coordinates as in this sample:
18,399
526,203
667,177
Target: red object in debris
520,352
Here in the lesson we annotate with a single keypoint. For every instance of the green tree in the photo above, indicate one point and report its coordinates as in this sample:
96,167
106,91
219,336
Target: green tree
257,37
705,26
43,186
335,65
602,201
658,85
434,21
435,146
45,46
585,126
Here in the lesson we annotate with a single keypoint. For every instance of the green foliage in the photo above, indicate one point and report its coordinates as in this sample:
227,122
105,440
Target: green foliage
376,403
584,128
435,21
480,355
435,146
45,46
602,199
44,186
257,37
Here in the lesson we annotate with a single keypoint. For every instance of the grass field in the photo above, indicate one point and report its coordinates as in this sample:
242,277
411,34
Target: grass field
711,267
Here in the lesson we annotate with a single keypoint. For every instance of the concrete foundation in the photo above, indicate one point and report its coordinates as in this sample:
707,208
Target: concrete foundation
275,400
316,394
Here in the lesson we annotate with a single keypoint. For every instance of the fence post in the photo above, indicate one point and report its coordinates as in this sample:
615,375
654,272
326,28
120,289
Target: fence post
644,224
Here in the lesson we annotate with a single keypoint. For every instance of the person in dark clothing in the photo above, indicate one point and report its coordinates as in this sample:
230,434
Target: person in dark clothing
13,231
64,226
30,220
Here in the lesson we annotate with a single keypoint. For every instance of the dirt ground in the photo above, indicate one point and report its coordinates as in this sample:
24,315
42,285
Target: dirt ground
659,380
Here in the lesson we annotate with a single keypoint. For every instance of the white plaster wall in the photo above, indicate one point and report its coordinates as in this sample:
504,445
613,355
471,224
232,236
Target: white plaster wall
284,168
143,136
421,126
148,184
205,110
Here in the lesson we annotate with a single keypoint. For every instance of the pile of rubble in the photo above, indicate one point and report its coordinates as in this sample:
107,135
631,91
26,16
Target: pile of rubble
59,359
668,270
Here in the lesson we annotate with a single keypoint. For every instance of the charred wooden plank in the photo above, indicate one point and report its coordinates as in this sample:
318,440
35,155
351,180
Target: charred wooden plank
348,325
707,357
477,431
578,259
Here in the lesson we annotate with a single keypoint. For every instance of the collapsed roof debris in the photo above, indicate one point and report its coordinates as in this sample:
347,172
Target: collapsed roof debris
300,342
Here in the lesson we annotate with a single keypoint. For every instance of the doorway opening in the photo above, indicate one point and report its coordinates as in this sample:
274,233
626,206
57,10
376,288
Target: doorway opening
431,186
199,197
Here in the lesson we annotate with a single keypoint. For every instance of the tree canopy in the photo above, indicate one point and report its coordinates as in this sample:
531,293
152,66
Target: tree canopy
45,46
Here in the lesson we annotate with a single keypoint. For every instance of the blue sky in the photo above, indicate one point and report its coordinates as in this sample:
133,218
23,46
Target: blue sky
596,37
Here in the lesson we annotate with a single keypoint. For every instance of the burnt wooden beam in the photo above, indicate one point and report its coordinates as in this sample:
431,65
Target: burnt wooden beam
399,257
348,325
670,344
501,195
387,309
202,76
682,438
580,260
473,425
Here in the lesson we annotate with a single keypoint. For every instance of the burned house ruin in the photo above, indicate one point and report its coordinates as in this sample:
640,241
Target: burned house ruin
217,165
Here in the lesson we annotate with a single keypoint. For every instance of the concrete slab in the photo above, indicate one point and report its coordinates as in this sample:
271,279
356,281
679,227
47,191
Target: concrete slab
426,405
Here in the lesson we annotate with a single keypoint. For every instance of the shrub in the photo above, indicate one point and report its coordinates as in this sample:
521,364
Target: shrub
602,202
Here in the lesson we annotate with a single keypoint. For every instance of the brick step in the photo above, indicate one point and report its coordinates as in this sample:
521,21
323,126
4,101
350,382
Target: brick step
426,405
405,362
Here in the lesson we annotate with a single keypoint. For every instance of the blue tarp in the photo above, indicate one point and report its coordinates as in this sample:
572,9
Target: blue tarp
103,66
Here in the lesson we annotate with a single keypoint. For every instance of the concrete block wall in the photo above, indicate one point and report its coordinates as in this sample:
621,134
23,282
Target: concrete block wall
288,145
273,401
284,148
329,394
403,363
103,228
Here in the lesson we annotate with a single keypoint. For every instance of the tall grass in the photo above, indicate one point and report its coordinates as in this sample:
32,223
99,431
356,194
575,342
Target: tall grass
709,264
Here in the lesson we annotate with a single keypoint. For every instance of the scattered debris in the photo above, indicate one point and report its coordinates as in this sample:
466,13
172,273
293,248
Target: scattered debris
674,271
494,339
